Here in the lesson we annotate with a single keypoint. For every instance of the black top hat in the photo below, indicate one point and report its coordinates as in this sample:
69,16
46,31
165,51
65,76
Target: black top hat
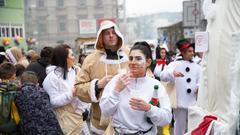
183,44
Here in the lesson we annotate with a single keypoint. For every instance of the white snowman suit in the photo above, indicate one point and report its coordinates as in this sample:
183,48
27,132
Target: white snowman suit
186,89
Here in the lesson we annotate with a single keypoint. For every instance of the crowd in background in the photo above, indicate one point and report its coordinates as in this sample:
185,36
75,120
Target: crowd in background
59,94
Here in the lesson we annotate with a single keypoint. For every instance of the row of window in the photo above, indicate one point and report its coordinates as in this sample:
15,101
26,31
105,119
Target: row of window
60,3
42,27
2,3
61,23
11,31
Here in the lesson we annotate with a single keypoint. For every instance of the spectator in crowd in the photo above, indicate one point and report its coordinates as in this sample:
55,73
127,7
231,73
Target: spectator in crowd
32,56
9,125
15,56
36,112
59,84
98,69
160,63
39,67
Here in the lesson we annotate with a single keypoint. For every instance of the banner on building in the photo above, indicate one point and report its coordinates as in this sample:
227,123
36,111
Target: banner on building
87,26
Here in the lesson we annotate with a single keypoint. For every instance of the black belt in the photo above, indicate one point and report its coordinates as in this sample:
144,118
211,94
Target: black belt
137,133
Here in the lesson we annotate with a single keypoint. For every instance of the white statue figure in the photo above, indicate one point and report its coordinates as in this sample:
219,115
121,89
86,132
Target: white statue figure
220,84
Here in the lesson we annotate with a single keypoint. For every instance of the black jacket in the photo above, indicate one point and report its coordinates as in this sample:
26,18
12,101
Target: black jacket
39,68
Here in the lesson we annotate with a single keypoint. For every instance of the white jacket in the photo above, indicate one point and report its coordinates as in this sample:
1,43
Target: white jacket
60,90
116,104
187,86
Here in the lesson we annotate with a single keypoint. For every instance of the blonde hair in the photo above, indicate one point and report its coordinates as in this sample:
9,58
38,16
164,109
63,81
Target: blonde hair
17,53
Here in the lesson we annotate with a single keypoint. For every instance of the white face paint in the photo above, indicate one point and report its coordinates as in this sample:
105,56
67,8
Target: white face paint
138,59
137,63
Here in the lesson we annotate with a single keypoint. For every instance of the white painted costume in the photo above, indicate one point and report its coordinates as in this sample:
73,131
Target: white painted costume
186,89
219,86
124,118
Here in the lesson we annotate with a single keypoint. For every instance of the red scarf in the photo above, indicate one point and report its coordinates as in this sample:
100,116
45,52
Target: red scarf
161,62
203,127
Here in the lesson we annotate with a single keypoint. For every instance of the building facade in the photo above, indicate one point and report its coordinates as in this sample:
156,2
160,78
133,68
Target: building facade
171,34
12,31
58,21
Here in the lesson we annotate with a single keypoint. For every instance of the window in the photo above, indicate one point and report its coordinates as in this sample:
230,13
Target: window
41,28
82,16
99,3
21,32
3,32
41,25
11,30
7,32
60,3
2,3
61,23
83,3
40,3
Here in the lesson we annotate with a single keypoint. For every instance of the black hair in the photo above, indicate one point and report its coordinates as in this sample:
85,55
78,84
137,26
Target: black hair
158,56
158,50
3,58
2,49
59,58
181,42
80,58
144,47
19,69
193,45
46,52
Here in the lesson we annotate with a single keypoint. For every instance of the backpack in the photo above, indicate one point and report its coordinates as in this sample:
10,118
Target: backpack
9,117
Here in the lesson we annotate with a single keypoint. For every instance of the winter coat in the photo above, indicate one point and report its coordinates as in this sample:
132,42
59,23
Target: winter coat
36,113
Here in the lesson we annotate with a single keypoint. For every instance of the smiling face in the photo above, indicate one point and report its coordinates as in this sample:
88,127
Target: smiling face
138,63
163,53
188,53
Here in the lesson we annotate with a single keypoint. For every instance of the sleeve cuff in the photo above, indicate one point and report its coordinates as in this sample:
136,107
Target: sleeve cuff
93,92
115,95
150,112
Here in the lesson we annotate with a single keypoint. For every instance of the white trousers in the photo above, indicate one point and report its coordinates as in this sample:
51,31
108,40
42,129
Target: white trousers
180,117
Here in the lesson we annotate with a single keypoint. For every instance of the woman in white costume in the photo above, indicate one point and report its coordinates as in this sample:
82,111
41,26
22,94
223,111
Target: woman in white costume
126,97
59,84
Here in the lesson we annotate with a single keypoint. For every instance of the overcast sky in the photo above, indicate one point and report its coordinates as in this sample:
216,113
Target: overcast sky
141,7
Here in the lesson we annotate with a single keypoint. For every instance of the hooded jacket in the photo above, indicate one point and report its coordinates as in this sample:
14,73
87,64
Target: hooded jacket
66,106
96,66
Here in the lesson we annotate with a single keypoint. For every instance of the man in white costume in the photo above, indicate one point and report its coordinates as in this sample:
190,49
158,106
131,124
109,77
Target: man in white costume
219,86
185,73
